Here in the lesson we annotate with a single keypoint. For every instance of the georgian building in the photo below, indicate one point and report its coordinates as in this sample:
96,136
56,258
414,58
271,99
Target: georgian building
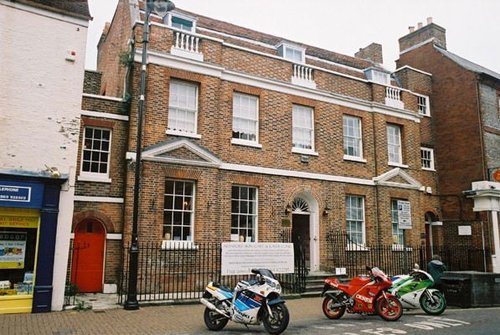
249,137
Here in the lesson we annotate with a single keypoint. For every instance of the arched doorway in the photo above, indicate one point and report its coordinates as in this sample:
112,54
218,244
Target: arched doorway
305,228
88,256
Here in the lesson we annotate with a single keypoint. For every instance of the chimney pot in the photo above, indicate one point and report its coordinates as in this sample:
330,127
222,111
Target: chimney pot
429,20
411,29
419,25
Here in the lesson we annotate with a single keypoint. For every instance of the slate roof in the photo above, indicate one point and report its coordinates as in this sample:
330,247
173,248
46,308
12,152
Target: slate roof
75,8
231,32
468,64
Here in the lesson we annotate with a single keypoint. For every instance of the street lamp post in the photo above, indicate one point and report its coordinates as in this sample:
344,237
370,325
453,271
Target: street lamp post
161,7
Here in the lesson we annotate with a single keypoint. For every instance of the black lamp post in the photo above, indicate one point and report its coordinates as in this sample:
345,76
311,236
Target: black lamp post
160,7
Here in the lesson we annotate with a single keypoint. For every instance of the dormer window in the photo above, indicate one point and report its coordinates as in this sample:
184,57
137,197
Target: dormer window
182,22
378,76
292,52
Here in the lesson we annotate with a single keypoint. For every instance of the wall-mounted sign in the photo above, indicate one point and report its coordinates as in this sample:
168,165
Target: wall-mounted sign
404,214
464,230
240,257
20,194
12,249
15,193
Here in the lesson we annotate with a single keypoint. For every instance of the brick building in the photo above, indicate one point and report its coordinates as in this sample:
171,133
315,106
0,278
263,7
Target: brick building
465,109
247,137
41,81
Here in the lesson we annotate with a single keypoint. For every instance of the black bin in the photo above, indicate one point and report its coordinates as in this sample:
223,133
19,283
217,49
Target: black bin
457,291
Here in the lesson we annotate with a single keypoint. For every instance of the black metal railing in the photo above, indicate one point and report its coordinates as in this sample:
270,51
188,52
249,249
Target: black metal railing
396,259
181,272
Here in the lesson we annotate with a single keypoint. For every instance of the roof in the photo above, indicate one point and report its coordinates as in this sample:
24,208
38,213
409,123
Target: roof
75,8
468,64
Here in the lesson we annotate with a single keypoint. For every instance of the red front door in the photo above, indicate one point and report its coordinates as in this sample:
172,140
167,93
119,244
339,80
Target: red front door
88,256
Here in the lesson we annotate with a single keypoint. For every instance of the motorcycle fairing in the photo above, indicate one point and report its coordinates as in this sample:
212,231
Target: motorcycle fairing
219,292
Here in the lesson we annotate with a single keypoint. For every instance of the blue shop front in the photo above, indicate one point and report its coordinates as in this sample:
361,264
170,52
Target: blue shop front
29,207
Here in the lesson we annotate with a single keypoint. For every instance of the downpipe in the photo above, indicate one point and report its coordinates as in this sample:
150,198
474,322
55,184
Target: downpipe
212,307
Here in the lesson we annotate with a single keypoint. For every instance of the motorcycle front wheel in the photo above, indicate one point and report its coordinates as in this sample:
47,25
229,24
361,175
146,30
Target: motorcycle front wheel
389,309
276,322
434,306
332,312
214,320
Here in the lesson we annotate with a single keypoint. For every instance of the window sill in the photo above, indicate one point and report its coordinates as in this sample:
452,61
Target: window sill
94,178
354,159
245,143
178,245
404,166
429,169
304,152
183,134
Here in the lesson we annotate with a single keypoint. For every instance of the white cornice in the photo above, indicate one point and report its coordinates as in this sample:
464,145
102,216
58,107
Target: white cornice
102,97
168,60
105,115
98,199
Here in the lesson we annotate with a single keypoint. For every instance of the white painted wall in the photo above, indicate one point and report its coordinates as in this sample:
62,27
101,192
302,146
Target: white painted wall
40,105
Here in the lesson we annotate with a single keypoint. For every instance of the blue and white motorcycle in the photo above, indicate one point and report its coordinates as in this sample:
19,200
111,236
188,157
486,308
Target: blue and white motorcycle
251,302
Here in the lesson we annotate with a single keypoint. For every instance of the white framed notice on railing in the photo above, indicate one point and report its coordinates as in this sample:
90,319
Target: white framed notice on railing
241,257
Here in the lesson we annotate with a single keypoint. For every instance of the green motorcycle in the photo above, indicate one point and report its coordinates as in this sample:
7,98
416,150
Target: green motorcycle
415,290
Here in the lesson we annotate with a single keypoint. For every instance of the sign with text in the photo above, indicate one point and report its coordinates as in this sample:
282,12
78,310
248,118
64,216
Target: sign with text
240,258
17,194
404,214
12,249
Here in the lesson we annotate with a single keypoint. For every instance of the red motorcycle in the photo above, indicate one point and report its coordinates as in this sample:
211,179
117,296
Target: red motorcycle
363,295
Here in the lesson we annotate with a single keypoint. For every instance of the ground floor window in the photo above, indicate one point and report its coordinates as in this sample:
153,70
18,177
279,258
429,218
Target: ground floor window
178,210
244,214
18,244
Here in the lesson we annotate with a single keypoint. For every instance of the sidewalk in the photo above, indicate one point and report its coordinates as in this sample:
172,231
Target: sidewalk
107,318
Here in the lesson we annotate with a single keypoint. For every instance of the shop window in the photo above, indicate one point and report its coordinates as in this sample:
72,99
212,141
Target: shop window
18,244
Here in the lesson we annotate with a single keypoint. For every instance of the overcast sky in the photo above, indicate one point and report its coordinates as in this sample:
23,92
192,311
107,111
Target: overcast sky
344,26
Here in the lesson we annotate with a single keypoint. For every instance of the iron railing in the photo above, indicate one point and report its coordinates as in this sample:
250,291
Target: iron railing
397,259
181,273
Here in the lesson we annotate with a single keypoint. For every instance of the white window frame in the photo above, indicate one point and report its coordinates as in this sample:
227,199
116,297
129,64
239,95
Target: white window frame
89,175
291,52
171,241
251,214
423,103
189,108
396,232
427,155
351,125
355,215
394,145
298,113
246,113
169,21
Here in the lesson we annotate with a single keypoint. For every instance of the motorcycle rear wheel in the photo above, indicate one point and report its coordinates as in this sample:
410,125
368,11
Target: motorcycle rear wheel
389,309
332,312
214,320
278,321
433,308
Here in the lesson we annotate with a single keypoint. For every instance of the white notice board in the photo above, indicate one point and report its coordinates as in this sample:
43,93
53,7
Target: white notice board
241,257
404,214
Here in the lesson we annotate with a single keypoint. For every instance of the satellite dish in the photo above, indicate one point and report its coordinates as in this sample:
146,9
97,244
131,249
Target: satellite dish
162,7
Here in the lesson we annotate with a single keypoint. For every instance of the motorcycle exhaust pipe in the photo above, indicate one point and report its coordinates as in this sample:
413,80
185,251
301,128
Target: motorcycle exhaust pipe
213,307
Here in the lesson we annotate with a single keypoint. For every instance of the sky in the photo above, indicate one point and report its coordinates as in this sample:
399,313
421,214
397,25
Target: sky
345,26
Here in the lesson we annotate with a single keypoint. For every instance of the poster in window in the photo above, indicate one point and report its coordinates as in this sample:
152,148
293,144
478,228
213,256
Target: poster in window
12,249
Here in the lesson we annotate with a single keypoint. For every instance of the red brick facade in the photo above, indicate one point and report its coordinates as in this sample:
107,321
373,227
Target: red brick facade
237,60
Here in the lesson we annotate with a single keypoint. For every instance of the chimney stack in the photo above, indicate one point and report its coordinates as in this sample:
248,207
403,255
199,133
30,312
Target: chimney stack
411,29
373,53
423,34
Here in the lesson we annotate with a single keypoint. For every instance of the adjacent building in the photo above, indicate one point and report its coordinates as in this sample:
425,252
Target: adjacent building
40,99
247,137
465,114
